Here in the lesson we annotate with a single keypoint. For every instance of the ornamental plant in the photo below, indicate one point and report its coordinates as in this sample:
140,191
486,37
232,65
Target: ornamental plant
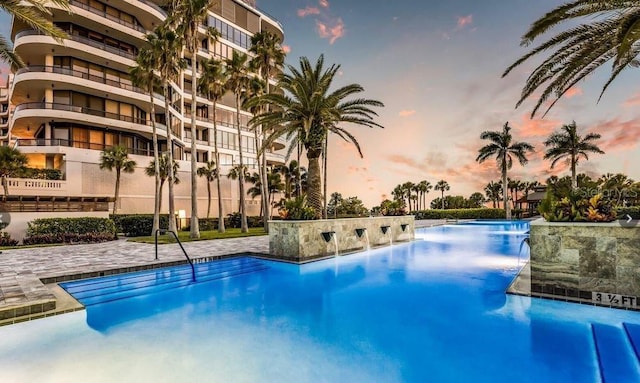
574,207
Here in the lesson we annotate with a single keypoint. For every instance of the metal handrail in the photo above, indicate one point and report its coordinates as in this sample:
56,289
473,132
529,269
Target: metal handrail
83,110
106,15
163,231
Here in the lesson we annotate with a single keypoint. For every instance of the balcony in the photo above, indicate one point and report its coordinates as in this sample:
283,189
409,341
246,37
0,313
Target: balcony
107,16
76,144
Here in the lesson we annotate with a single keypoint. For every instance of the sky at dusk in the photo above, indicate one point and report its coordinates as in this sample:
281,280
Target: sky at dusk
436,65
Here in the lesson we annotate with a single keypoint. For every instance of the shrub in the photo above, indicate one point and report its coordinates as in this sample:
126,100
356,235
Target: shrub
574,207
476,213
633,211
233,221
6,240
41,174
70,230
136,225
296,209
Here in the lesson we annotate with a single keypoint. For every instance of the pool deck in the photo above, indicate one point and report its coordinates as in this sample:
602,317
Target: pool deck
29,277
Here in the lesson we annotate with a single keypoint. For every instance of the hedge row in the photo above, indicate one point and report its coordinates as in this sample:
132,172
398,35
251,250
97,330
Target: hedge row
633,211
137,225
70,230
479,213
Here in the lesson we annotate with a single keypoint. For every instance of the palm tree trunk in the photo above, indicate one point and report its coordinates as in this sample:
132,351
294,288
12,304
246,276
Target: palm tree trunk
298,176
505,189
324,175
221,228
117,192
314,181
194,232
160,195
208,198
261,171
156,203
244,228
171,176
5,185
574,177
442,199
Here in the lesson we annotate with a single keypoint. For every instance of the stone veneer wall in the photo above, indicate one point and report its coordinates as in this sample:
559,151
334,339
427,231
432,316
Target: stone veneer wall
302,240
576,261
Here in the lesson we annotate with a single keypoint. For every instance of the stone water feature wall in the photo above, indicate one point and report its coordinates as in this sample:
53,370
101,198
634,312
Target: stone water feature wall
300,241
595,263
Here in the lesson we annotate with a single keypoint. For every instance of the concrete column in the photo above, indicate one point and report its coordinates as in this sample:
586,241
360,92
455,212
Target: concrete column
48,60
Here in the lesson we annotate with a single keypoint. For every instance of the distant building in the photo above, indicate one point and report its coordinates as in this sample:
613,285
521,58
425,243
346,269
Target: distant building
530,202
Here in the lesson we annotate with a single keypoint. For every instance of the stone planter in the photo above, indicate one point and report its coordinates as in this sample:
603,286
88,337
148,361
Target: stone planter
301,241
589,262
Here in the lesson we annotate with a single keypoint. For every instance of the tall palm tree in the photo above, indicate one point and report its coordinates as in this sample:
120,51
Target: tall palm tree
290,173
493,191
35,14
611,32
238,76
143,75
212,83
255,88
310,109
268,58
164,44
408,190
425,186
239,172
504,149
117,158
162,169
567,144
11,162
187,16
443,186
335,200
210,172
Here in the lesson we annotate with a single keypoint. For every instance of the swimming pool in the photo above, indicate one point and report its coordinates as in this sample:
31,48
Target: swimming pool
433,310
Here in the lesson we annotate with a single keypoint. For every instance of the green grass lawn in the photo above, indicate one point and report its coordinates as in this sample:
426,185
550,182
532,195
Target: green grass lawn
204,235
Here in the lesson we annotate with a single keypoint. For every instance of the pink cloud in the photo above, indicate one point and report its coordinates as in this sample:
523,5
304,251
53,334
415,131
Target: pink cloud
286,49
529,128
617,135
332,31
463,21
572,92
407,113
324,3
632,101
308,11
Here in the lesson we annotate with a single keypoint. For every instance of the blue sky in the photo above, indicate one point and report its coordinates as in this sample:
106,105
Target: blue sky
437,65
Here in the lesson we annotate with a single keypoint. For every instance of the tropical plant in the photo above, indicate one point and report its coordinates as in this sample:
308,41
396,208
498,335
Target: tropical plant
296,209
408,190
143,75
187,16
574,207
35,14
116,158
212,83
11,162
568,145
442,186
290,173
163,44
237,173
493,191
162,167
238,76
423,188
210,172
334,203
504,149
268,57
610,33
392,208
310,110
619,187
475,200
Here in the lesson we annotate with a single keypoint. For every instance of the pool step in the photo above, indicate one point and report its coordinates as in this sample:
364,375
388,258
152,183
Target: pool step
102,290
617,359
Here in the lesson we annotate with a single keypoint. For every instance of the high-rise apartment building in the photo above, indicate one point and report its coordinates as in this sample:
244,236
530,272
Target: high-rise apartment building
75,97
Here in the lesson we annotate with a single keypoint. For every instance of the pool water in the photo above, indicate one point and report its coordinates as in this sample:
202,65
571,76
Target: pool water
433,310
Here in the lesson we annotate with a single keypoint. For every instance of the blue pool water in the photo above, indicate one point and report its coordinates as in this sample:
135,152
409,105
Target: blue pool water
433,310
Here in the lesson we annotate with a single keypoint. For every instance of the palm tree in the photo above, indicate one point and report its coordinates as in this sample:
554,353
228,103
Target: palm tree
424,187
611,33
254,88
162,169
268,57
290,174
236,174
11,162
443,186
504,150
35,14
187,16
143,76
116,157
408,189
237,80
212,83
210,172
568,145
493,191
311,110
163,45
335,200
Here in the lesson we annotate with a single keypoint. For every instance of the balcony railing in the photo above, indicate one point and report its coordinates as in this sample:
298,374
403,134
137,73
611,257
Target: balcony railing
34,184
76,144
104,14
86,76
154,6
84,110
84,40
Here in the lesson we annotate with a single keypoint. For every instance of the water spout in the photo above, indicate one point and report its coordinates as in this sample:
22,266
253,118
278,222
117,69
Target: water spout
359,232
327,235
525,240
384,229
403,226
